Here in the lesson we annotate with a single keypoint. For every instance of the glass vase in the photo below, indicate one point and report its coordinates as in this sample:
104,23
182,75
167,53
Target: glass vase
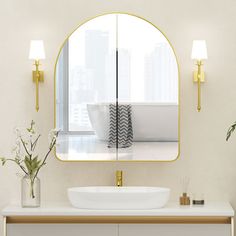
30,192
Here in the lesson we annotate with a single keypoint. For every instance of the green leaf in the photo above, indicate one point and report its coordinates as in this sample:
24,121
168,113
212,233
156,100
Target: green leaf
230,131
31,129
3,160
27,164
32,165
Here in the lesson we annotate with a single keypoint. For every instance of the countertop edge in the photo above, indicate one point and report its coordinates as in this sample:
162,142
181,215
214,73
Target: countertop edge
220,209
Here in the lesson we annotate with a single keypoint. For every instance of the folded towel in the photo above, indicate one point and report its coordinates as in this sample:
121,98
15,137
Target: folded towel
125,130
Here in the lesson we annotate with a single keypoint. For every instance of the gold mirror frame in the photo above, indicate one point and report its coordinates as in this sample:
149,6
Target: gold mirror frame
55,67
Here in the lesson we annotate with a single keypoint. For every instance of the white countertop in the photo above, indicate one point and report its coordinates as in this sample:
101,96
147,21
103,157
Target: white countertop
172,209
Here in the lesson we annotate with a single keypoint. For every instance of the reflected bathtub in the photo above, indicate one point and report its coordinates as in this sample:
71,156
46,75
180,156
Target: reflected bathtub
152,122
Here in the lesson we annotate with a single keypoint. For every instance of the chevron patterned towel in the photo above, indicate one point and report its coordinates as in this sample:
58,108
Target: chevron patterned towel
125,130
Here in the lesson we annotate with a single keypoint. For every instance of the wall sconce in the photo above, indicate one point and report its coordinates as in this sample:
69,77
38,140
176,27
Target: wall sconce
37,53
199,53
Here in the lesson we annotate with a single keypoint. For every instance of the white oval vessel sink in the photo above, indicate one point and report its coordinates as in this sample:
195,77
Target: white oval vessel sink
126,198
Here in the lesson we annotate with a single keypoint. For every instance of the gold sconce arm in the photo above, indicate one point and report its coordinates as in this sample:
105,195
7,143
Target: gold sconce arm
199,78
38,76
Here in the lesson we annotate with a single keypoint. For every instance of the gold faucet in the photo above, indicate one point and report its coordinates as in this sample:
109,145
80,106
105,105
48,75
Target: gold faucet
119,179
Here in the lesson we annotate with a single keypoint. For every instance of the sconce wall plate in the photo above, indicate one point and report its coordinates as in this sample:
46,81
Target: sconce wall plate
40,74
195,77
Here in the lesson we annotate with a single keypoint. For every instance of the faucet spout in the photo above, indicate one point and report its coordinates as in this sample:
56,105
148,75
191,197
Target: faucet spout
119,178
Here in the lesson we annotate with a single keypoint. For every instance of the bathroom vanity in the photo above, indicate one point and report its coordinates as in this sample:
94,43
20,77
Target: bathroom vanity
208,220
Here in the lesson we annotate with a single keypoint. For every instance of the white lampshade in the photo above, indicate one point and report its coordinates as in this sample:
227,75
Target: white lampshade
36,50
199,50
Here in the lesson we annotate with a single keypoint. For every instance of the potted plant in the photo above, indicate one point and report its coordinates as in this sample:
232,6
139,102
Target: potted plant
30,164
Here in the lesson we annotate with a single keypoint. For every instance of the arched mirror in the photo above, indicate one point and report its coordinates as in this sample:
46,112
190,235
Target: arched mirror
117,92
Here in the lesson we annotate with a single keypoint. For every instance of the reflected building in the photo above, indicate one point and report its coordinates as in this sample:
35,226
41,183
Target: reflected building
96,55
80,93
124,81
87,82
160,72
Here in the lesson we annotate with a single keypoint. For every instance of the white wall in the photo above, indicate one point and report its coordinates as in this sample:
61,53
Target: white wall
206,158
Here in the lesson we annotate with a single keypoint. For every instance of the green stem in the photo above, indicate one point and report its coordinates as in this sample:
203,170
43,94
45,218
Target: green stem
32,188
35,142
45,158
23,143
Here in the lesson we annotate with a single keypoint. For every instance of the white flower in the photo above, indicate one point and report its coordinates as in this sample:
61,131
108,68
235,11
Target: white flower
52,135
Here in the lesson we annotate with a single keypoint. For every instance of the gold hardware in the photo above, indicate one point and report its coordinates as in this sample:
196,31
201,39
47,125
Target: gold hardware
119,178
37,53
199,53
199,77
38,76
195,76
179,91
